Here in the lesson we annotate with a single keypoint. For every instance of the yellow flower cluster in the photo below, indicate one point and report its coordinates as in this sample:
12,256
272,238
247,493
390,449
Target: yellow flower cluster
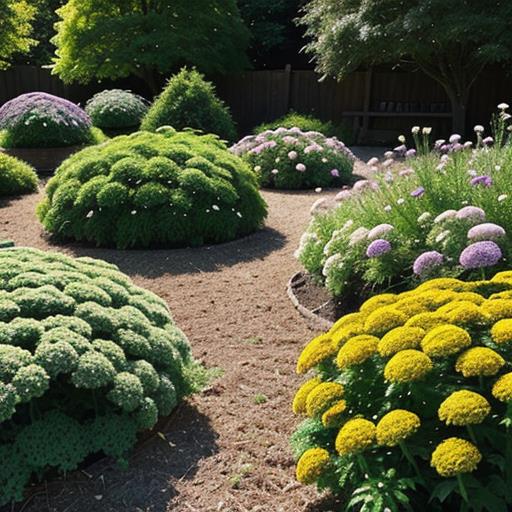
464,408
311,465
455,456
357,350
355,436
400,338
321,397
299,401
426,321
378,301
445,340
479,361
316,351
502,389
407,366
497,309
382,320
501,331
395,426
333,415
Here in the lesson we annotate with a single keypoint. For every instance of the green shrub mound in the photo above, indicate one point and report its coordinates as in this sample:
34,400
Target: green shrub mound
115,109
16,177
309,123
87,359
189,101
153,189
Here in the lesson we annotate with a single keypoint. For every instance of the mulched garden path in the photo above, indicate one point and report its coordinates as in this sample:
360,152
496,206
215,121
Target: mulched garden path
225,450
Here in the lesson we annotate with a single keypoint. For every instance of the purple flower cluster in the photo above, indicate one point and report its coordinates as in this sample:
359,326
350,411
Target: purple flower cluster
483,180
426,261
486,231
480,255
418,192
378,248
470,213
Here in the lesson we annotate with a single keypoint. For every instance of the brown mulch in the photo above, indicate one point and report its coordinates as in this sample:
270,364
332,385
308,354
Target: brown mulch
225,450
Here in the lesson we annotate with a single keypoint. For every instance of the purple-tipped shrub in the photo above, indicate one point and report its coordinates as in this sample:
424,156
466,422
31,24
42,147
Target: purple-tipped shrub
302,159
38,119
480,255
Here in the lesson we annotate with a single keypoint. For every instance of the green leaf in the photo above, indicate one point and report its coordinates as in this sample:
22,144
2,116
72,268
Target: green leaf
443,490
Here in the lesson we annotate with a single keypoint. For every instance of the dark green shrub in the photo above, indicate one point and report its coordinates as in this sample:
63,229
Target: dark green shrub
309,123
153,189
189,101
116,109
87,359
16,177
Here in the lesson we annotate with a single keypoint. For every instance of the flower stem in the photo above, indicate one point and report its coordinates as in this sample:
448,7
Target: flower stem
410,458
471,433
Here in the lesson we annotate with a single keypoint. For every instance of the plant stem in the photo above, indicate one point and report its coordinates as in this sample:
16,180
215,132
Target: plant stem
471,433
410,458
462,489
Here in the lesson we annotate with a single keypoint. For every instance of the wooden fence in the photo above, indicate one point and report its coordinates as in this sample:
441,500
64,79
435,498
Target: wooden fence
395,98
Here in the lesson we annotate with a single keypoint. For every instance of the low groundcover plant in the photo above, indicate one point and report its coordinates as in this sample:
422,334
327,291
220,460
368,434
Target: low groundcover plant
153,189
409,405
292,159
16,177
87,359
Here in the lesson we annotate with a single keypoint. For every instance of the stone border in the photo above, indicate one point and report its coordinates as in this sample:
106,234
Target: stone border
311,315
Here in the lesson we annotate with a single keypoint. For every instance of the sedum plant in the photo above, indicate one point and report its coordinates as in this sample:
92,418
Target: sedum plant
153,189
116,109
87,359
409,400
289,158
16,177
40,120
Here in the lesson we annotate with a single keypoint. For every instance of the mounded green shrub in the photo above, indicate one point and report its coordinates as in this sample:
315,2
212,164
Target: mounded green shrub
189,101
87,359
115,109
16,177
153,189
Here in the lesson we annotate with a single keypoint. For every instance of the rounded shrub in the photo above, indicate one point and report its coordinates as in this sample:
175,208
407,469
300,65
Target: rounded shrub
87,359
292,159
39,120
153,189
16,177
409,399
189,101
116,109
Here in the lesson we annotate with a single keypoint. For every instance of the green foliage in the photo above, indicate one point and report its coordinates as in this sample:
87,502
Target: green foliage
309,123
116,109
16,177
148,189
66,392
189,101
15,31
97,39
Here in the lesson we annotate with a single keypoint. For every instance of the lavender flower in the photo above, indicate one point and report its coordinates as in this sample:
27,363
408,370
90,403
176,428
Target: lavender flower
292,155
483,180
378,248
426,261
418,192
471,213
455,138
343,195
362,185
486,231
480,255
379,231
300,167
335,173
410,153
488,141
447,214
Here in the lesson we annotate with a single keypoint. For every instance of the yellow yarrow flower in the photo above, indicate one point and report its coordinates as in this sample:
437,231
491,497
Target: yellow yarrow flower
501,331
450,306
410,306
400,338
427,321
473,297
455,456
377,301
316,351
445,340
355,436
436,298
383,320
311,465
356,350
503,277
502,389
299,401
464,408
341,336
395,426
332,415
321,397
407,366
497,309
507,295
479,361
444,283
468,314
345,321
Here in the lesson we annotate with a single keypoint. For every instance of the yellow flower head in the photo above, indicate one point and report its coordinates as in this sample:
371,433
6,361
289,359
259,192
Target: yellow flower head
355,436
479,361
332,416
395,426
502,389
316,351
383,320
345,321
443,283
410,306
468,314
299,401
427,321
507,294
357,350
400,338
503,277
311,465
473,297
321,397
435,298
497,309
445,340
342,335
501,331
455,456
377,301
464,408
407,366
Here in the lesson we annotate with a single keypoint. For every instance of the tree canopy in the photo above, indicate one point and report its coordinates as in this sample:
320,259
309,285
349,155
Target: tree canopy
450,40
15,29
109,40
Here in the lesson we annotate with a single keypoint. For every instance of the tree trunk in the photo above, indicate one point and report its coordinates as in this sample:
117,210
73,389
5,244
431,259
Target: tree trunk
458,102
